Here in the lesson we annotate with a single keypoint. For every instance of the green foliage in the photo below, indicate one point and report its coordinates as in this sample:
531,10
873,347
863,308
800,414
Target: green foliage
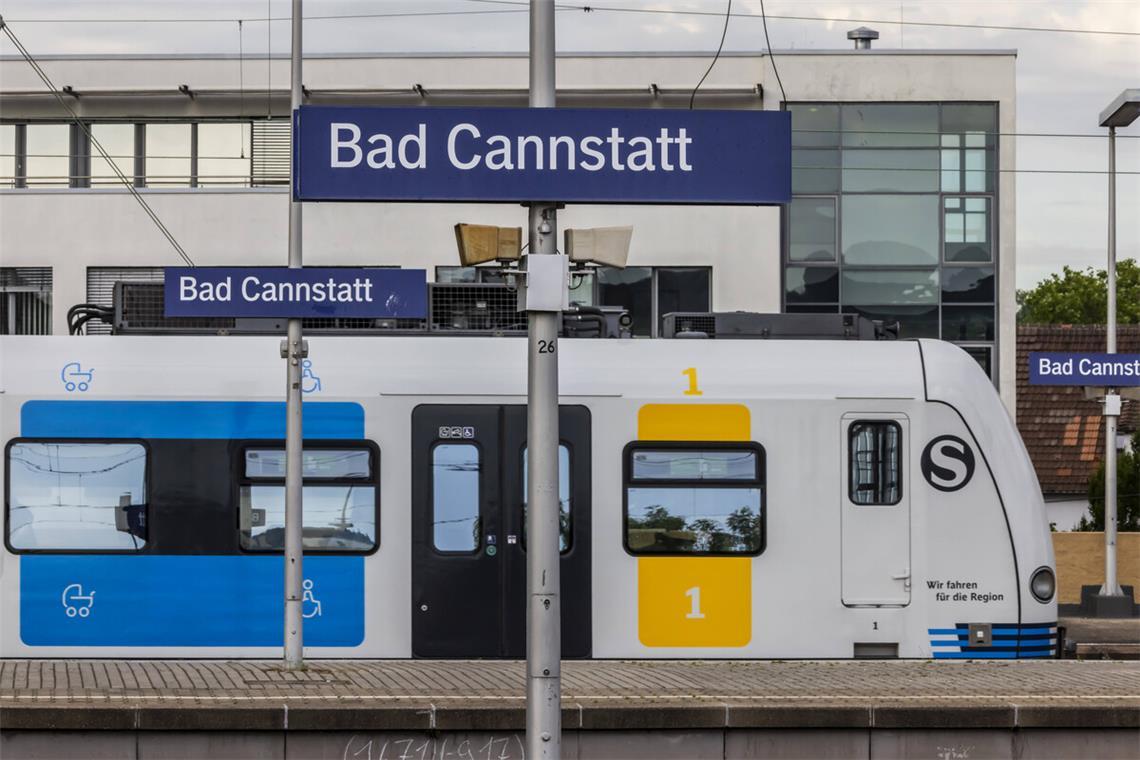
1127,492
1078,297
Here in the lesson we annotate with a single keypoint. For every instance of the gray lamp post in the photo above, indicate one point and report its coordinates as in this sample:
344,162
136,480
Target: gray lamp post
1111,601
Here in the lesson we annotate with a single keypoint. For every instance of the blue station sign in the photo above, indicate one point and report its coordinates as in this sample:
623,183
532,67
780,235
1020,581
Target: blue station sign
1101,370
284,292
660,156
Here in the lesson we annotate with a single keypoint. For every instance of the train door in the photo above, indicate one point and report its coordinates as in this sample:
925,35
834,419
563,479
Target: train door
875,511
468,536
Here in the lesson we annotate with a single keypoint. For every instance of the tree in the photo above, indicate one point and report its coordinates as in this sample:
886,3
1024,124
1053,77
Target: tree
1078,297
1127,492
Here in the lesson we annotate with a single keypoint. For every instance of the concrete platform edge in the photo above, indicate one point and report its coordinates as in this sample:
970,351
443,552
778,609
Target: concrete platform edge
364,717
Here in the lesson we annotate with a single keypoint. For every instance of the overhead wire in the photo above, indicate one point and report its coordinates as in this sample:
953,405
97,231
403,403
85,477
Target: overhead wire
723,34
771,55
521,7
830,19
274,19
6,27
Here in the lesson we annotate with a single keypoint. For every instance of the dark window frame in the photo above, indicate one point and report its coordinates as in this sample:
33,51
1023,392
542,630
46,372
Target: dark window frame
148,480
760,483
241,480
851,436
481,543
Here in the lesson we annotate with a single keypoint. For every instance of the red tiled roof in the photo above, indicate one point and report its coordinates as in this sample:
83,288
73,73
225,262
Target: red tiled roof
1063,431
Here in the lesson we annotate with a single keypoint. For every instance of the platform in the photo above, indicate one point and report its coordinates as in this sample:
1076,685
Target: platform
336,706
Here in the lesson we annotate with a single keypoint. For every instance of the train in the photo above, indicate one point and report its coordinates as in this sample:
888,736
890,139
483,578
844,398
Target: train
719,499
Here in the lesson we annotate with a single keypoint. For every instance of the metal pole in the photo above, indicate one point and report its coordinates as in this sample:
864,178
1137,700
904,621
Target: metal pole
1111,400
544,611
294,351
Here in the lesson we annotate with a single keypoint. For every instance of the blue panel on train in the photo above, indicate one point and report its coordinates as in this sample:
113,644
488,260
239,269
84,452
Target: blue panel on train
176,601
186,419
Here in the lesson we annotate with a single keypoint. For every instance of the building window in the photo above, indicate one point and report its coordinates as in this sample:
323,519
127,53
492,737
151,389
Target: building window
694,500
892,217
47,155
966,229
874,452
649,293
76,496
118,139
224,154
152,154
8,155
339,491
25,300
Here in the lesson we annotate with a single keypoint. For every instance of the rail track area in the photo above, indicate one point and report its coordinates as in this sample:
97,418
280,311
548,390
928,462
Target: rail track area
467,710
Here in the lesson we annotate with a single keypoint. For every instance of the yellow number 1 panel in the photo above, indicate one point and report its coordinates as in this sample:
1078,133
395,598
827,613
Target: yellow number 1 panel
694,601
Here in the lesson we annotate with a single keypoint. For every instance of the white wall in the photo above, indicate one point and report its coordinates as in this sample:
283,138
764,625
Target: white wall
1064,515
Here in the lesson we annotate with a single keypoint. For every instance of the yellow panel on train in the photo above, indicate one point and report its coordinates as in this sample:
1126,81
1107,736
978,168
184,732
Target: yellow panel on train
694,601
694,422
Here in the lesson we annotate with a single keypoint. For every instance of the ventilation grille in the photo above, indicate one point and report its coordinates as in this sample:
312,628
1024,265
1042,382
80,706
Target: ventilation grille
470,307
25,301
689,323
101,289
270,152
139,308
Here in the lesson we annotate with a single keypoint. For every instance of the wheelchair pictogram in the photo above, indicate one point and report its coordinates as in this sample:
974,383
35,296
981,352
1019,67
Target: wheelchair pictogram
310,383
310,605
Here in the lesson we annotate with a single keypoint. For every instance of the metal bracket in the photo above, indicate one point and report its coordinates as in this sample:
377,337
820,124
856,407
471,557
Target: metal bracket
1112,405
303,354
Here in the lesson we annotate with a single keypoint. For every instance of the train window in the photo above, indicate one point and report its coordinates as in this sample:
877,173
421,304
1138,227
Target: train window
339,493
875,462
694,500
455,497
71,496
315,463
564,514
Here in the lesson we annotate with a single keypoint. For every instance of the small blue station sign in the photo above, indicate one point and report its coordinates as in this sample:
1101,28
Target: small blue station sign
661,156
1100,370
284,292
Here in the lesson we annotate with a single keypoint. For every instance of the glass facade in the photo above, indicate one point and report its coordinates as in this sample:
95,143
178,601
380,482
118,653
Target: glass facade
892,217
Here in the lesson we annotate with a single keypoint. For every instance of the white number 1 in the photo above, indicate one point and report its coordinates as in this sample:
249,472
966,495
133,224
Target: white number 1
695,595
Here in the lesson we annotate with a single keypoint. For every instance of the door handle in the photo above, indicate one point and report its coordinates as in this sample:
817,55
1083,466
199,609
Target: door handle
905,578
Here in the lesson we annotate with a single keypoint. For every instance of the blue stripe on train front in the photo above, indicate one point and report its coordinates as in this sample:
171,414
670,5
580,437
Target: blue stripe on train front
184,601
186,419
1009,641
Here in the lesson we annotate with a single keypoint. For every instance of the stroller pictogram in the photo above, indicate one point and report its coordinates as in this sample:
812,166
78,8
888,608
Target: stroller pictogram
75,377
75,602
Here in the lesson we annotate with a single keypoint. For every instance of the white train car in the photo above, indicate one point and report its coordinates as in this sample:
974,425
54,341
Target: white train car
721,499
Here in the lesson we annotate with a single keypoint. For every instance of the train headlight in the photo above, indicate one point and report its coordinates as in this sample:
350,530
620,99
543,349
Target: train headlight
1043,584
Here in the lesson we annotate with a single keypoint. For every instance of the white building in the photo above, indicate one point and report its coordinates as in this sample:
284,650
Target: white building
904,204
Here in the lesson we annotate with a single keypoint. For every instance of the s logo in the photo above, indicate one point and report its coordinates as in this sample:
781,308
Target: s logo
947,463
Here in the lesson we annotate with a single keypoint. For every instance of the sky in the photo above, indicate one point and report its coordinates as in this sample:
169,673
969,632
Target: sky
1064,79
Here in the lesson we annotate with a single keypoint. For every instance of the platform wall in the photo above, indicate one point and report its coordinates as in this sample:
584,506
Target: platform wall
1080,561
